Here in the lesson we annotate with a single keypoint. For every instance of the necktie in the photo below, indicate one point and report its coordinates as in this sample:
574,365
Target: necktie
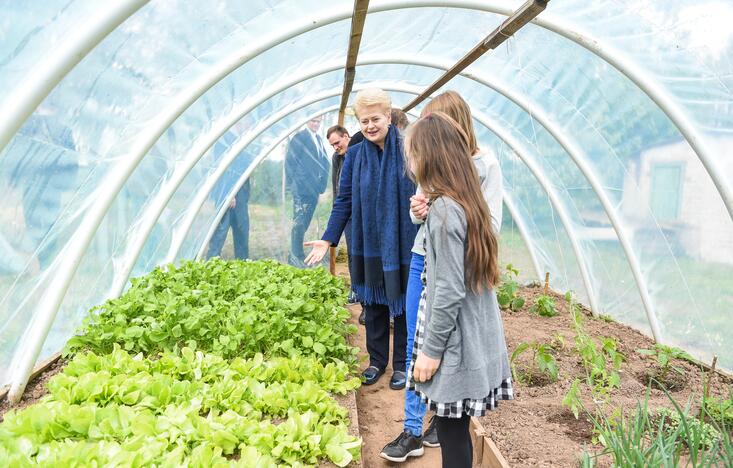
321,147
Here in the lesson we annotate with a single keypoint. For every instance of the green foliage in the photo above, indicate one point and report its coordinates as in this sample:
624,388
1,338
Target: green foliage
544,307
182,401
572,399
720,410
542,362
635,440
602,363
606,318
558,341
508,291
693,431
230,308
665,355
662,438
209,364
266,183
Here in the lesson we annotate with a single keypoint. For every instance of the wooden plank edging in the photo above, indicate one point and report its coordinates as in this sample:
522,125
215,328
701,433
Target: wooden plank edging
39,369
485,452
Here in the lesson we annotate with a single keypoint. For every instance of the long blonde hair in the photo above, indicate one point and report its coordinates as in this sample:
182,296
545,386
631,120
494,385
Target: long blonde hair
435,144
457,108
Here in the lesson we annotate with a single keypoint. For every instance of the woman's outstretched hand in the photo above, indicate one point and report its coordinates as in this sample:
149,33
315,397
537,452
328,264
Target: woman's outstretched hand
320,248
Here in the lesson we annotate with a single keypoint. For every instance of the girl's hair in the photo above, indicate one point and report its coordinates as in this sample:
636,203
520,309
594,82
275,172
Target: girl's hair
451,103
373,96
399,118
438,149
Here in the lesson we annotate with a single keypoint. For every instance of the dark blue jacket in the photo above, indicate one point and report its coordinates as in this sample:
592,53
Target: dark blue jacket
341,211
234,171
306,168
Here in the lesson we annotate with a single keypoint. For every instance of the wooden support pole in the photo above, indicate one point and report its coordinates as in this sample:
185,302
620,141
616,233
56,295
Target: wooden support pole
522,16
706,387
332,261
358,18
547,282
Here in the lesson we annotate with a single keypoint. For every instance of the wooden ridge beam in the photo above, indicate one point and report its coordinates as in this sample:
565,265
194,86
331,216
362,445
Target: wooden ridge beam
514,23
358,18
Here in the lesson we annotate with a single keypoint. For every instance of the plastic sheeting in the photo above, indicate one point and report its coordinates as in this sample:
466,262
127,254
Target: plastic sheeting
60,162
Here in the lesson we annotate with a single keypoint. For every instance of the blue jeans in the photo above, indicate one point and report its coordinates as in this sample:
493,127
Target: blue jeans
303,208
414,409
238,219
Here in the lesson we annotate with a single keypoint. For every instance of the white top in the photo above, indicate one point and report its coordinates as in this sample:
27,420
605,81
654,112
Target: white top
489,174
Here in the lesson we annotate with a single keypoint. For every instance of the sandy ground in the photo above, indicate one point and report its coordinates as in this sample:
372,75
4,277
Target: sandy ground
381,414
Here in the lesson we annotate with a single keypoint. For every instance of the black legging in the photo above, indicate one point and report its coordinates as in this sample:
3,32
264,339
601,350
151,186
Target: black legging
455,441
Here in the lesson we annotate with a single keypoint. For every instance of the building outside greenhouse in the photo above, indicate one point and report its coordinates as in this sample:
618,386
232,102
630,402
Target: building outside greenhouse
135,133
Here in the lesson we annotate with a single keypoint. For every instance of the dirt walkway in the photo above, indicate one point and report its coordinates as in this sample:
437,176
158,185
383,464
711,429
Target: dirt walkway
381,413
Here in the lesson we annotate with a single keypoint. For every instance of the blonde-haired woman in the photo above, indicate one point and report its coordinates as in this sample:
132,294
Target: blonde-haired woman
374,193
412,439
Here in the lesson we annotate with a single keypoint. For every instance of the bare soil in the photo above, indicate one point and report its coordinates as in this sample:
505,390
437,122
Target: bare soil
35,390
381,413
535,430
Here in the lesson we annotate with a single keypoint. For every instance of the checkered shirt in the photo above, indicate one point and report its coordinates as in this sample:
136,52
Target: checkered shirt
469,406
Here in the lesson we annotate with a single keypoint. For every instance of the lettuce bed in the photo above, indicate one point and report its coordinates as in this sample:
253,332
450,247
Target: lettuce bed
208,364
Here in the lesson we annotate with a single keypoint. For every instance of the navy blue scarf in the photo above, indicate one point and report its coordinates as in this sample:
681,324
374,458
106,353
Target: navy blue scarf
382,232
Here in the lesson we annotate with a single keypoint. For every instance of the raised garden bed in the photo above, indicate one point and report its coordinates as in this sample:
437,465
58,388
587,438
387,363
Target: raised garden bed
217,363
537,429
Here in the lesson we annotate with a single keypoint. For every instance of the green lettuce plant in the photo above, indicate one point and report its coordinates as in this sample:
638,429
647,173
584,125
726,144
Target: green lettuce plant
507,294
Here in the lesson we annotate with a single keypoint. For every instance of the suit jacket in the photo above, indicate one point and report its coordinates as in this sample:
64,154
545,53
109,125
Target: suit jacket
306,167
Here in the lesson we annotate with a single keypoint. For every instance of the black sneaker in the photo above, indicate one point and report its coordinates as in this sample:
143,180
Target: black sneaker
430,437
405,445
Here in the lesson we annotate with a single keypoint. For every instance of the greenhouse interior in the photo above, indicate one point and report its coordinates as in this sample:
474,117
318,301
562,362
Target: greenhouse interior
135,330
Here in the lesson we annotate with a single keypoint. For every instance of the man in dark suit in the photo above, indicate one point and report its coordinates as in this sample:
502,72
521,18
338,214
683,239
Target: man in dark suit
236,216
306,172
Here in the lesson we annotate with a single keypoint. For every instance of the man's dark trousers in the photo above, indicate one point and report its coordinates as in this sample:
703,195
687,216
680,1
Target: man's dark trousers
304,205
238,219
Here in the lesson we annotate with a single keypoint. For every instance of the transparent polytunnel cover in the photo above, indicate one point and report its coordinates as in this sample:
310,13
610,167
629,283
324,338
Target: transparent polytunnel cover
612,122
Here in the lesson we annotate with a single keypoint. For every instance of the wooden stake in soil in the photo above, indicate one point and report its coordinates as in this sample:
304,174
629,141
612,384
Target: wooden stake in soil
332,261
547,282
706,386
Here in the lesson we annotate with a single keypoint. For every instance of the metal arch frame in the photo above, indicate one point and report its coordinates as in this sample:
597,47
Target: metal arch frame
235,149
202,144
180,235
522,228
49,303
197,150
655,91
248,172
41,80
578,157
522,152
508,200
575,154
569,146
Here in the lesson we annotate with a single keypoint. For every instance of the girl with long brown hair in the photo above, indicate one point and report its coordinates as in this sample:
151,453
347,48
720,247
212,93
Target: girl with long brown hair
460,364
410,442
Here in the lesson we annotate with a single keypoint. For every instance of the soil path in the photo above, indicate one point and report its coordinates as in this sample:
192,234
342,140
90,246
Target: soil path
381,414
